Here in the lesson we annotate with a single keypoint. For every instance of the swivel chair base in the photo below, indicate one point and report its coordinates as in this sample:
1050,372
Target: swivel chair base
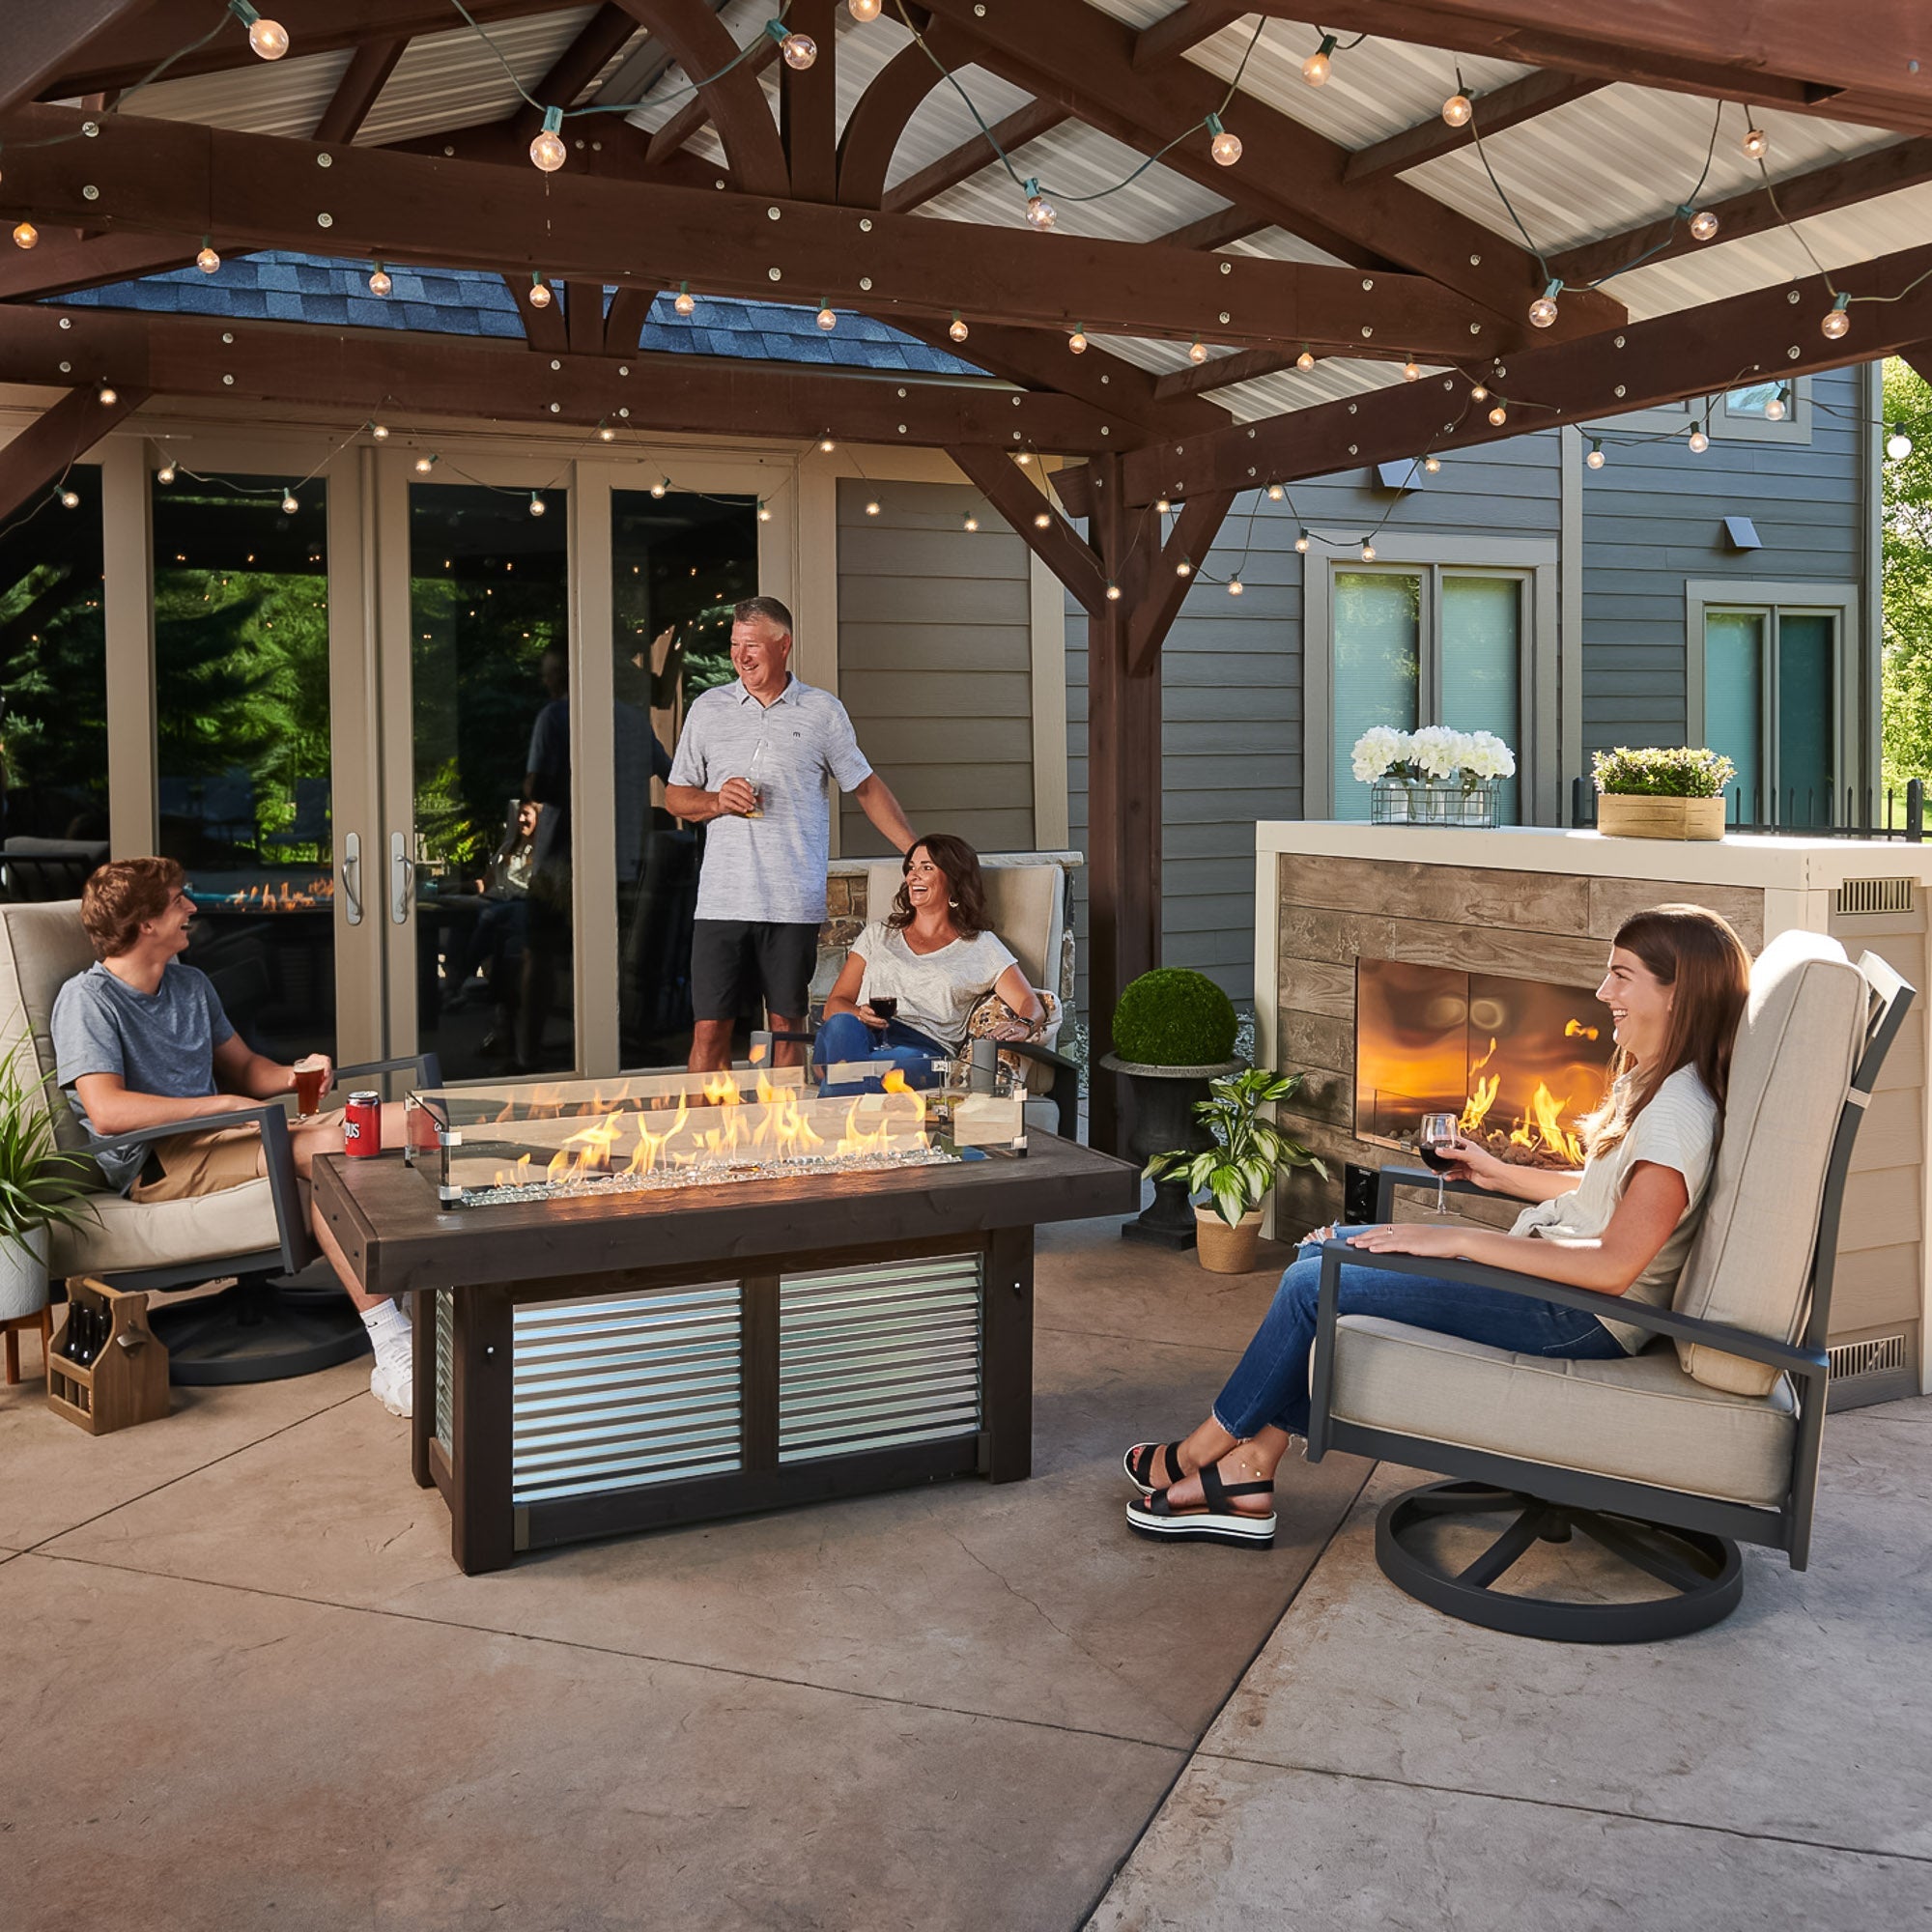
1703,1575
266,1328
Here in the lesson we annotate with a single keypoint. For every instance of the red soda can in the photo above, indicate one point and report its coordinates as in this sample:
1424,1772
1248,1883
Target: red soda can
362,1125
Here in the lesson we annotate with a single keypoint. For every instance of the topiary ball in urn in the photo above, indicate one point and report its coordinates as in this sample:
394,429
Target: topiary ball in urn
1174,1030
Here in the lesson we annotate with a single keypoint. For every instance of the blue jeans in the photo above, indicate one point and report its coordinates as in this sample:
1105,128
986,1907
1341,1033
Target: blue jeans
846,1037
1270,1381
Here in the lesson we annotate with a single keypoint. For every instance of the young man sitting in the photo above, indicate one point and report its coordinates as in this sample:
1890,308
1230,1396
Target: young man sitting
140,1039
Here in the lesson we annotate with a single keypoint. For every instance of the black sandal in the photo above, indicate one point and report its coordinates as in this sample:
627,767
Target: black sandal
1138,1461
1216,1520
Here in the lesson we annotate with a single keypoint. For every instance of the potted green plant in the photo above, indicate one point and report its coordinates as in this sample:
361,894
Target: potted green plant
1173,1031
39,1187
1238,1167
1661,792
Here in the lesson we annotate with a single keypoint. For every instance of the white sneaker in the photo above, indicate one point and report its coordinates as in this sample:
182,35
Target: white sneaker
393,1380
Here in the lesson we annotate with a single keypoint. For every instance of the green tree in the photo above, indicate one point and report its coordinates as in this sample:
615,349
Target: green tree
1908,580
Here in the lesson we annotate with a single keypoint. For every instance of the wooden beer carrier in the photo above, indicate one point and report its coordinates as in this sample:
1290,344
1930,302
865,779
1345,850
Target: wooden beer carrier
128,1380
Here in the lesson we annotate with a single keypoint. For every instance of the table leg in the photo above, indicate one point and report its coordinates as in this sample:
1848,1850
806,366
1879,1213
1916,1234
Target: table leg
481,1529
1006,1443
422,1407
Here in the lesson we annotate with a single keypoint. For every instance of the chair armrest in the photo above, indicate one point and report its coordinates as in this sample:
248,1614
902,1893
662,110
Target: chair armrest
278,1156
1047,1056
429,1068
1392,1177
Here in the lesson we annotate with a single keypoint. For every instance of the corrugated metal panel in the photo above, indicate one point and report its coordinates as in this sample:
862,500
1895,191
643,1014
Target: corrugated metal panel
286,98
445,1343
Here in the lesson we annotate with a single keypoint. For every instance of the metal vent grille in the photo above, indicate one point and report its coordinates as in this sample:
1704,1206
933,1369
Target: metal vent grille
1882,1355
1875,896
445,1343
615,1394
874,1356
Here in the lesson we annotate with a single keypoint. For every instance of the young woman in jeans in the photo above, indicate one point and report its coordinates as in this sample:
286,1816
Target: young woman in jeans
1675,988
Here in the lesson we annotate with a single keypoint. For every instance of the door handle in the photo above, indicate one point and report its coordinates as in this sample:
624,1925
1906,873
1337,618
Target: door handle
402,878
352,877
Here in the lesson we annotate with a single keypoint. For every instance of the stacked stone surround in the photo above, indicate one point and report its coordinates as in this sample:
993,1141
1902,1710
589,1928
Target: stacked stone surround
846,914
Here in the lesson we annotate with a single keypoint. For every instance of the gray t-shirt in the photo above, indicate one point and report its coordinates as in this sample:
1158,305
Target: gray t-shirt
936,992
1679,1128
769,868
162,1042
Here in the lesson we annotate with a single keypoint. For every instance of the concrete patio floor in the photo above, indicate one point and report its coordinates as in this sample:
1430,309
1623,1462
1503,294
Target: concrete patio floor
246,1687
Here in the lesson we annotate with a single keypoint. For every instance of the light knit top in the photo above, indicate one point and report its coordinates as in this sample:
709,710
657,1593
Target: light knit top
936,992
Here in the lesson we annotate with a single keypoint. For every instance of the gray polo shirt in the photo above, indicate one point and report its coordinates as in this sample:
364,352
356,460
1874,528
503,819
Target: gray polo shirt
769,868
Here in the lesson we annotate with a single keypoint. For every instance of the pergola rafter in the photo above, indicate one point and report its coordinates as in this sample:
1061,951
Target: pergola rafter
362,80
1507,106
43,453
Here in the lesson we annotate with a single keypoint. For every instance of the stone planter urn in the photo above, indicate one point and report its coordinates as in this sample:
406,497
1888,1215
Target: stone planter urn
23,1273
1164,1098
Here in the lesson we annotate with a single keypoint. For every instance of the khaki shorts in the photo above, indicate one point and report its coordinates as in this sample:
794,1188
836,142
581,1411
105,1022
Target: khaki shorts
203,1163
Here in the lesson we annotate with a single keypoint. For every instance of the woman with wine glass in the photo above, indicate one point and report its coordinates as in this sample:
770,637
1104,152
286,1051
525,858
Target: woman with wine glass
1675,987
912,979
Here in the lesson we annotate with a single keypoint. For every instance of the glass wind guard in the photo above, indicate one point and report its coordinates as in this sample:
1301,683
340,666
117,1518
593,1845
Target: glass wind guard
650,1133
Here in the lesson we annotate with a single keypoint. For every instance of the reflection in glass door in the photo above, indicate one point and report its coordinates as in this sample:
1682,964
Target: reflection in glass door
241,697
489,629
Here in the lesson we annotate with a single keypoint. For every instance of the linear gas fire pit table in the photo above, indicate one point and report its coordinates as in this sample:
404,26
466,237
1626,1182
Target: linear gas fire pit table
686,1311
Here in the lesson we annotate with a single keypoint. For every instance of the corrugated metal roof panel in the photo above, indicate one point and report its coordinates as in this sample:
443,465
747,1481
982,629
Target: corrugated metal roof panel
286,98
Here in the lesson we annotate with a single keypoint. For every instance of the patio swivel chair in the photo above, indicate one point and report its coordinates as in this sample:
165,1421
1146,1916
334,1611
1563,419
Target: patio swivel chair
264,1328
1668,1459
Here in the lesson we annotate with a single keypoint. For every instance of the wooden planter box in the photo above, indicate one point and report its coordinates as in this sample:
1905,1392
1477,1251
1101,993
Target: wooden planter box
1621,816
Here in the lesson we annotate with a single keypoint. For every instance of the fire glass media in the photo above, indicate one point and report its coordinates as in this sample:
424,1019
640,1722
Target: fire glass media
1519,1061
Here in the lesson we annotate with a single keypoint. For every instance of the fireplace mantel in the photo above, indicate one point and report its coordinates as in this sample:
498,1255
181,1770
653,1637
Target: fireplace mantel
1543,903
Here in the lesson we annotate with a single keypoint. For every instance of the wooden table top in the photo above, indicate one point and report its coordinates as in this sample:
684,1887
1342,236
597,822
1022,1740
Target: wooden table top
397,1239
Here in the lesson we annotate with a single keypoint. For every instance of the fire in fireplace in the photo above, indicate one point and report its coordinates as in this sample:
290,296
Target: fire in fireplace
1519,1062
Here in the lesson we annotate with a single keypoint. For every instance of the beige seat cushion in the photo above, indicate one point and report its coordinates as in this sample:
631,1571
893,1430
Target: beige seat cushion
42,946
161,1233
1640,1419
1795,1051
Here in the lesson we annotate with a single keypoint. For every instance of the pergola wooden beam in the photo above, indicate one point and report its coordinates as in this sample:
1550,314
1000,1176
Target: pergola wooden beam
1919,355
64,262
880,117
1067,51
42,454
1056,543
355,371
808,106
1819,192
1767,332
1023,125
1187,26
1507,106
362,80
1221,372
42,41
1159,603
261,191
732,99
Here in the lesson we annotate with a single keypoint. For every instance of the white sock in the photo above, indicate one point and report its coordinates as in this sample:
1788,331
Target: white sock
386,1318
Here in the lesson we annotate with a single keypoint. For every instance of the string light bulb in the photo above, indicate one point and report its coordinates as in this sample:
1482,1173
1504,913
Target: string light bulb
606,434
539,291
1184,568
1161,506
1306,360
270,38
1543,310
1838,323
1432,464
1235,586
1478,393
1773,410
206,259
826,446
684,301
537,505
871,507
379,431
971,522
1041,519
658,487
1197,353
1277,493
1595,459
1700,440
1756,144
1498,415
1077,342
165,474
956,329
764,511
290,504
798,51
108,395
1315,69
827,318
69,500
1113,593
380,282
424,464
26,235
1898,446
1301,542
1411,371
1368,550
1456,111
865,12
548,151
1703,225
1040,212
1226,148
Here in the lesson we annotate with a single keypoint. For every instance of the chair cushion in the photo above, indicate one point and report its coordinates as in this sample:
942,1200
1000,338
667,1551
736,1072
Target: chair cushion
162,1233
1640,1418
42,946
1795,1051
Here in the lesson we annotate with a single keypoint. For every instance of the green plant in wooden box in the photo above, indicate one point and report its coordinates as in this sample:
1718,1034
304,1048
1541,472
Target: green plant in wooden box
39,1187
1239,1169
1674,791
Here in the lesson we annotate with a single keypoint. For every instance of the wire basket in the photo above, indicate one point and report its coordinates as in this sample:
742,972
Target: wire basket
1393,803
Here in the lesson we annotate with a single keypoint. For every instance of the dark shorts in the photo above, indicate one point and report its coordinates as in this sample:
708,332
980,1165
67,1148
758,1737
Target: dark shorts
737,962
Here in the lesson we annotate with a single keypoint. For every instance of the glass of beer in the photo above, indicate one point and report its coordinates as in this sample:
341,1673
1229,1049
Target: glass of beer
310,1072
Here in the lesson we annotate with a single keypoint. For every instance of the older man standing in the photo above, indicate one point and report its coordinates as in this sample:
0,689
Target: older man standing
753,763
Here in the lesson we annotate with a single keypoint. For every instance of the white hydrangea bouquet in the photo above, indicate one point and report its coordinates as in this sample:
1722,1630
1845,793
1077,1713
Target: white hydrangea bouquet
1433,776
